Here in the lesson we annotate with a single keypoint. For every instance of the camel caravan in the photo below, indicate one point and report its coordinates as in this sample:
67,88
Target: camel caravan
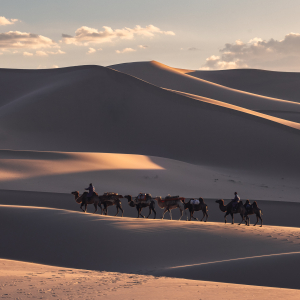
168,203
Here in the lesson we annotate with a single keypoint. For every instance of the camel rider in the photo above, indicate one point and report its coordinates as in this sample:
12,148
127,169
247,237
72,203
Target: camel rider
235,200
247,205
91,190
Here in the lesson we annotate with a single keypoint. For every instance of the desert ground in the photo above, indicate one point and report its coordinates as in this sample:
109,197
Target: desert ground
147,127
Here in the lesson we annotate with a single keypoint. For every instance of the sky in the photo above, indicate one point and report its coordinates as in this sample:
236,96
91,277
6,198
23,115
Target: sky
190,34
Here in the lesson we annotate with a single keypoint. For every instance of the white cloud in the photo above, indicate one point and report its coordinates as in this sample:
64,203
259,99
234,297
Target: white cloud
27,54
86,35
91,50
41,53
125,50
56,52
257,53
24,40
4,21
143,46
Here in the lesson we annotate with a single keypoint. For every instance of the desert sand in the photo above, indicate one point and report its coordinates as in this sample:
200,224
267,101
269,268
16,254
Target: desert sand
147,127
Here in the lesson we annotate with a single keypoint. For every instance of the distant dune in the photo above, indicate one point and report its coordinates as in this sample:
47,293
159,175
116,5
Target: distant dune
283,85
176,79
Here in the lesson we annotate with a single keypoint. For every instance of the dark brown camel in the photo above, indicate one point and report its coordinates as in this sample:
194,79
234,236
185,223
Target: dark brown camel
253,210
110,199
192,208
149,202
85,201
240,209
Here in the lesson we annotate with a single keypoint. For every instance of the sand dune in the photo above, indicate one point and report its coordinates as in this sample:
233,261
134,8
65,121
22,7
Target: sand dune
76,240
20,279
283,85
138,118
165,132
63,172
171,78
196,145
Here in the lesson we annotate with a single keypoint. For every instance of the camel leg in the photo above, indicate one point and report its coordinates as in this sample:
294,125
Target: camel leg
192,216
121,209
85,207
261,221
117,210
166,209
170,214
206,217
106,210
181,212
256,220
96,208
226,214
232,216
243,219
150,210
99,204
141,213
154,212
81,207
203,215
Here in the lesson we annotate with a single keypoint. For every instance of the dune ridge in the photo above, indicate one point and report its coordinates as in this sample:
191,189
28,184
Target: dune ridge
171,78
283,85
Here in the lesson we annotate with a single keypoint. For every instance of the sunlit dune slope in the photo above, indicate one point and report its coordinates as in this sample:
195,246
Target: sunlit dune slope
283,85
63,238
65,283
96,109
63,172
172,78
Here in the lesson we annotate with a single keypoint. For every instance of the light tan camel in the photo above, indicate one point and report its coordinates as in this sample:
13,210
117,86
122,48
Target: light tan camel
85,201
169,203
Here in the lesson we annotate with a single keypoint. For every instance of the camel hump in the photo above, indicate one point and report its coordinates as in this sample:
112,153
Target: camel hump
143,197
110,194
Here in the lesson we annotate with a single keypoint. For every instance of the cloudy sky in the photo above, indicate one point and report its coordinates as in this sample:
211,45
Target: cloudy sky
193,34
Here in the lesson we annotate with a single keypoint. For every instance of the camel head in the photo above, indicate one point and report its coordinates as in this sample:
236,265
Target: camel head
130,201
254,204
220,201
76,194
157,198
201,200
128,197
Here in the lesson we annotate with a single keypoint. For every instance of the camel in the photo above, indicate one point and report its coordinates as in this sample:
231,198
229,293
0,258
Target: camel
149,202
170,203
229,210
83,200
192,208
109,199
253,210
